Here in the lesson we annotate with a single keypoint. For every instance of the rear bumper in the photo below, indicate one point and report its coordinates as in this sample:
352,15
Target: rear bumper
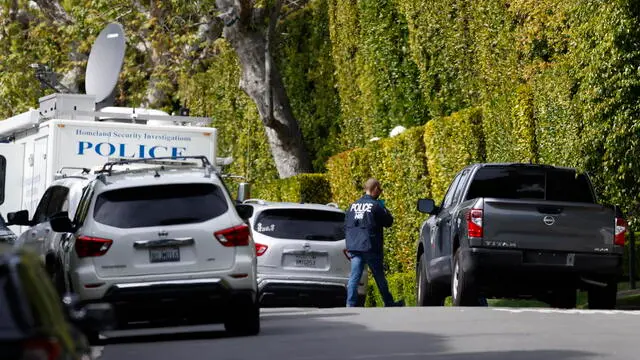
301,293
194,301
521,271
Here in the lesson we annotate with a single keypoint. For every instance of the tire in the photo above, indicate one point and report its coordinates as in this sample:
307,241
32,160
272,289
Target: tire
427,293
463,290
603,298
244,318
564,299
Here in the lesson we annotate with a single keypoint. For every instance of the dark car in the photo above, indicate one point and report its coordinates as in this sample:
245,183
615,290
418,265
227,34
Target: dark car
520,231
34,323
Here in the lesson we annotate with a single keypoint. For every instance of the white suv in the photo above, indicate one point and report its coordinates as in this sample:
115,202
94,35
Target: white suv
302,257
163,243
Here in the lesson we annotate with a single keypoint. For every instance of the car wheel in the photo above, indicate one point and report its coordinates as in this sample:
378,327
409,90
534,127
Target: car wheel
427,293
564,299
604,298
244,318
463,291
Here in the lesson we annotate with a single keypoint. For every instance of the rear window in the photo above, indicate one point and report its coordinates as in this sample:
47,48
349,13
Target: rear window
301,224
160,205
531,183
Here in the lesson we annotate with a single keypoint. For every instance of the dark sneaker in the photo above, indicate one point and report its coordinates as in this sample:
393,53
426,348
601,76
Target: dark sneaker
399,303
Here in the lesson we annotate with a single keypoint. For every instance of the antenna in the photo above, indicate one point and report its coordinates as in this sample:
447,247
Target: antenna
105,62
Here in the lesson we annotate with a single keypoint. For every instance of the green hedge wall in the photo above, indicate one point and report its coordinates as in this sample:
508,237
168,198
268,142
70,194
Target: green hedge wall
452,143
307,188
400,164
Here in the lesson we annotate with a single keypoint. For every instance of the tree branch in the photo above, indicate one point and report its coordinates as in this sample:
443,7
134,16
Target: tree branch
54,11
273,21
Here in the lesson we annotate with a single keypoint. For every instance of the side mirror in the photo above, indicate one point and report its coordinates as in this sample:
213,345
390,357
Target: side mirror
427,206
19,218
61,223
245,211
244,192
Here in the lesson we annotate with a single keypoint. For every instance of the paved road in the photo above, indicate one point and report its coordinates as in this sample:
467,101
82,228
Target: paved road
397,333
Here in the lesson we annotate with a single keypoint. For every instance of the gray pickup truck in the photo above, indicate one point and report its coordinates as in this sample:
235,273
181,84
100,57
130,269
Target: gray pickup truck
519,231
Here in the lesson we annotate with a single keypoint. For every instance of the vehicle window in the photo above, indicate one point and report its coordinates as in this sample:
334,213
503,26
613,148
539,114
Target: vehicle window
11,316
84,203
57,202
460,188
160,205
301,224
448,198
530,183
40,215
3,177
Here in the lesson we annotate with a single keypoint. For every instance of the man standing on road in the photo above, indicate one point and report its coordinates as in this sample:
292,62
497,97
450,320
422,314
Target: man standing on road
364,225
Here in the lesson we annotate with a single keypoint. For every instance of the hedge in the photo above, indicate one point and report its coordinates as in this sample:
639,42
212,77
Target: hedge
303,188
452,143
400,165
401,285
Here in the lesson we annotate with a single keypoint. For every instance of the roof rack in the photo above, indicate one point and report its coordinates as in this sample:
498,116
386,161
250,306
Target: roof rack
161,161
332,204
255,201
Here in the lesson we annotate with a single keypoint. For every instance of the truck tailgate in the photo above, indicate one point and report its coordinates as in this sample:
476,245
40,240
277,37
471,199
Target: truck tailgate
547,225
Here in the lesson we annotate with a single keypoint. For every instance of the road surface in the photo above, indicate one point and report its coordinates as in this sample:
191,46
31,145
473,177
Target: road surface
396,333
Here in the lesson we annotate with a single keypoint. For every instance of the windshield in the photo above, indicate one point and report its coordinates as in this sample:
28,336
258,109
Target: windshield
160,205
530,183
301,224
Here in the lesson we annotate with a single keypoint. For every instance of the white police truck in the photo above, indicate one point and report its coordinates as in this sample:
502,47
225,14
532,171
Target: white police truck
66,134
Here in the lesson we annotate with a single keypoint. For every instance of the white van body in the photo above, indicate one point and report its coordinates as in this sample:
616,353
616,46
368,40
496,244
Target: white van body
66,135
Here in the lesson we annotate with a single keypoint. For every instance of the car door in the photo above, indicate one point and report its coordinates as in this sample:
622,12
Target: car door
32,239
35,239
11,176
59,201
448,215
443,219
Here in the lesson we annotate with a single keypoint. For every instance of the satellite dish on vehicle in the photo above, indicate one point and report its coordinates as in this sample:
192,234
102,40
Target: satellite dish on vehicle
105,62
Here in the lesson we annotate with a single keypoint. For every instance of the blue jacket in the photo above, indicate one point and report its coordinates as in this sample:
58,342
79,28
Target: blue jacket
364,225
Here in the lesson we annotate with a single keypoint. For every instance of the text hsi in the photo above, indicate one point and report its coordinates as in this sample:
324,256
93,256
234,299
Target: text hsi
128,150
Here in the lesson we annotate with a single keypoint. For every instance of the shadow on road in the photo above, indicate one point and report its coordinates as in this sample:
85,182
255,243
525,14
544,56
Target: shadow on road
314,336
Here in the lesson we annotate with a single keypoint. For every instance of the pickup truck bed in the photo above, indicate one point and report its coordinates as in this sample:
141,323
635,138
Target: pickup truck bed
519,230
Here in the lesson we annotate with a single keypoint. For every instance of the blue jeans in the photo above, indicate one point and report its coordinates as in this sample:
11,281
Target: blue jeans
374,261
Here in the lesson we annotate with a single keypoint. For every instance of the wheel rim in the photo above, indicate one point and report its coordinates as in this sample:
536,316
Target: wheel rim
456,275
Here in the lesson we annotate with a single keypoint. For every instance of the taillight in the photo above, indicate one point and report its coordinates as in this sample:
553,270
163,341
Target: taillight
41,349
235,236
87,246
621,230
261,249
474,223
346,253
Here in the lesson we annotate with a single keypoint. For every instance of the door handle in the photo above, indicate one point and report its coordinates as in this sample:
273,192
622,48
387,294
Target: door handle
33,234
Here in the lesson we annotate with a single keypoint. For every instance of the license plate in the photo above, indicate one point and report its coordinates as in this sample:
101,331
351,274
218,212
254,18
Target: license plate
305,260
166,254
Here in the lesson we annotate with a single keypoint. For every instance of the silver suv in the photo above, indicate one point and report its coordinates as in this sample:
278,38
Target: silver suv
163,243
302,257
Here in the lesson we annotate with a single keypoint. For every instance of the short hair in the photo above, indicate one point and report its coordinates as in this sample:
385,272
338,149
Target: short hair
371,184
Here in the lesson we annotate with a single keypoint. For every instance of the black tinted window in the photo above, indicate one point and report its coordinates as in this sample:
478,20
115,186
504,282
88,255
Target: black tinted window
530,183
160,205
3,176
301,224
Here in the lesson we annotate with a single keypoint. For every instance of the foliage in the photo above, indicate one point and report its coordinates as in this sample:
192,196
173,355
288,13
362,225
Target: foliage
304,59
400,165
303,188
452,143
401,285
215,93
375,76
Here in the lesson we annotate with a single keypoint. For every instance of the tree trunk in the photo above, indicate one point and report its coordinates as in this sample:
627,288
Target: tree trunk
282,129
